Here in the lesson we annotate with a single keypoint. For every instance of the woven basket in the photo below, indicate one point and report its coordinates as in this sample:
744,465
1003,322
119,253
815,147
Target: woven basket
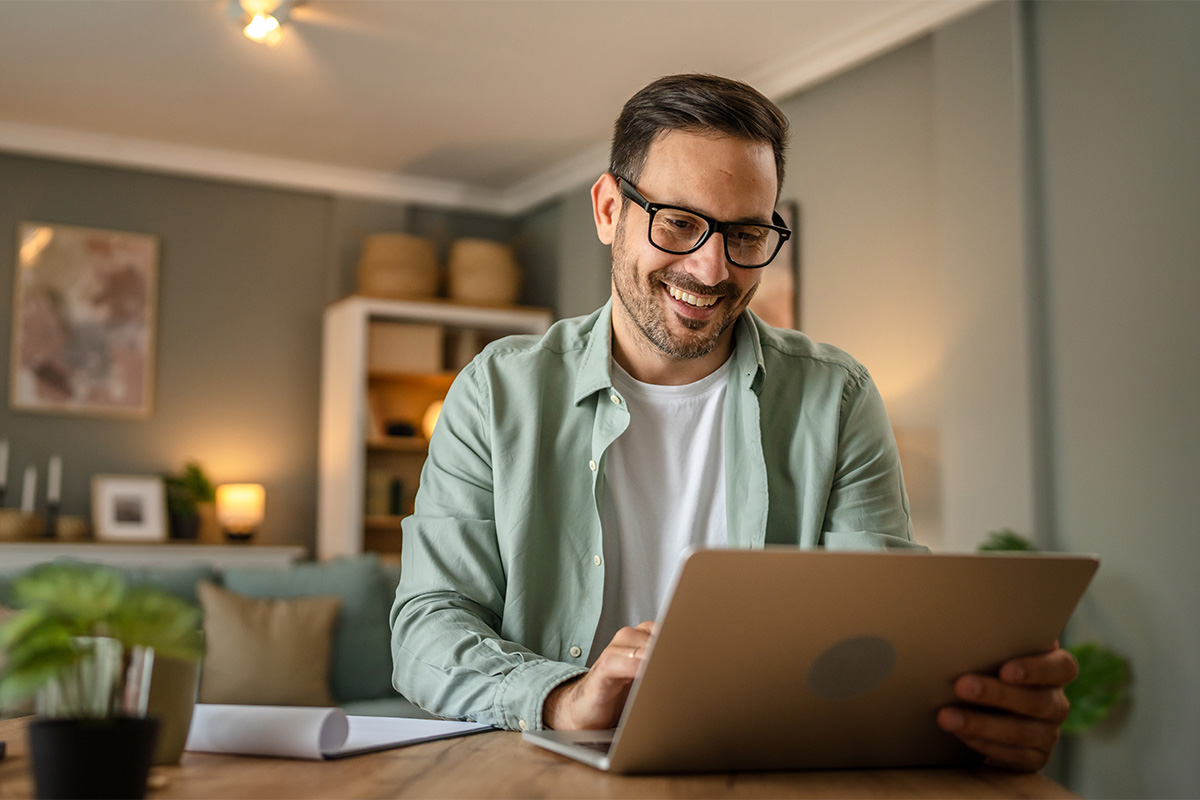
397,266
483,272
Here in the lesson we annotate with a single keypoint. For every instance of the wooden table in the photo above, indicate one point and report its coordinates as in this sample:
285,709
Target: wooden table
499,764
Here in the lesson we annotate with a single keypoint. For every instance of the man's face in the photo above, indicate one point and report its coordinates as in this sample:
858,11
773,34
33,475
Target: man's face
676,307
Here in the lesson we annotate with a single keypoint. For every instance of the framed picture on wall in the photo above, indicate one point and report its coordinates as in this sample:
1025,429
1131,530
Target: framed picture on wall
129,508
83,321
777,300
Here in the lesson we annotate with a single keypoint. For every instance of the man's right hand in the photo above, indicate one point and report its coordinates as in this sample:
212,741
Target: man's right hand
594,701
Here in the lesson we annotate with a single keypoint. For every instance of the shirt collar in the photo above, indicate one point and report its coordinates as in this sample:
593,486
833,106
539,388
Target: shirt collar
595,371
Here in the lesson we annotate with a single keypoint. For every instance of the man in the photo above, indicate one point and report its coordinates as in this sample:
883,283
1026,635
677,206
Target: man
569,472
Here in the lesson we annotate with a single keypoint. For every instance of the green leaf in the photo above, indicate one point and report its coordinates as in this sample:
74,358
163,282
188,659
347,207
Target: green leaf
1006,540
81,593
150,617
33,666
1103,676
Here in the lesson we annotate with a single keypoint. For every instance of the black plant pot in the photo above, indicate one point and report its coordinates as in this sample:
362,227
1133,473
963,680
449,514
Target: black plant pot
92,758
184,526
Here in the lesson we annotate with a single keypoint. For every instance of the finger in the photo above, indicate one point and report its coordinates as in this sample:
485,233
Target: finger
999,729
1022,759
633,637
1041,703
1056,668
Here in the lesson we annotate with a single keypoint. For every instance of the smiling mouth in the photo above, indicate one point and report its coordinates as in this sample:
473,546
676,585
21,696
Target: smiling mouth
690,299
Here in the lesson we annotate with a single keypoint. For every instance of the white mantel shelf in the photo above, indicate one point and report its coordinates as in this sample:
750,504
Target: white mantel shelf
16,555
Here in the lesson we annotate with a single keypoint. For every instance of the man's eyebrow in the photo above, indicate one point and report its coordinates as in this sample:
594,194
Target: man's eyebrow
694,210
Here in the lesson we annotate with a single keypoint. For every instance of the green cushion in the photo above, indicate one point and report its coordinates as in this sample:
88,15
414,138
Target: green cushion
179,581
362,654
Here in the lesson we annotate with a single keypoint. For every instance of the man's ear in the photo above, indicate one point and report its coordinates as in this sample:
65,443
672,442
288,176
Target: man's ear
606,207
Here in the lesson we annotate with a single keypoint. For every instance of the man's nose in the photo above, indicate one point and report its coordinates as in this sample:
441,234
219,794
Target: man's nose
708,264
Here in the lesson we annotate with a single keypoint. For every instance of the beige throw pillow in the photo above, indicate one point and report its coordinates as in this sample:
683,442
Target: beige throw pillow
266,651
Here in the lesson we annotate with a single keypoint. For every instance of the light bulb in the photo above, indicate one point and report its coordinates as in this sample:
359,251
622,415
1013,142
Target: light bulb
265,29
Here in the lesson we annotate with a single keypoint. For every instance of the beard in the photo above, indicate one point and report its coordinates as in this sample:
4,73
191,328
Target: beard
643,301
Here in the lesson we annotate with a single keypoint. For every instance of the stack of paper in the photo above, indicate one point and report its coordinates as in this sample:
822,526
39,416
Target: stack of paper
314,733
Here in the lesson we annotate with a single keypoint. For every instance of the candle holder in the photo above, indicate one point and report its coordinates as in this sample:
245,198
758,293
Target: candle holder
51,529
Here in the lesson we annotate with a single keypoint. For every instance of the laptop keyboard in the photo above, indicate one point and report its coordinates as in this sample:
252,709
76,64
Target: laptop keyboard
600,747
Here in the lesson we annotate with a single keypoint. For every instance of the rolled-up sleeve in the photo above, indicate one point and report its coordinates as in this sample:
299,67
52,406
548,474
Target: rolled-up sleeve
868,505
448,654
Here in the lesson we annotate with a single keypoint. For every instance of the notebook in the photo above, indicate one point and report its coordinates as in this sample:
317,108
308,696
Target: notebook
793,659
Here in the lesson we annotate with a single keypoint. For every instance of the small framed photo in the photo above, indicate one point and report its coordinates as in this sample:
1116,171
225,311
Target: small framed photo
129,508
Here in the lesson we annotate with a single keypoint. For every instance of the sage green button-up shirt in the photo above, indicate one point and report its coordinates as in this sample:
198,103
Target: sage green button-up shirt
502,572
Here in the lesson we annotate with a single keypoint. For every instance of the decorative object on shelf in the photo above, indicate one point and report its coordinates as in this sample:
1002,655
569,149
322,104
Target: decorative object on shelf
83,321
483,272
17,525
53,494
429,421
129,508
72,529
777,300
186,490
3,470
404,347
379,487
397,266
1103,673
240,509
29,489
83,644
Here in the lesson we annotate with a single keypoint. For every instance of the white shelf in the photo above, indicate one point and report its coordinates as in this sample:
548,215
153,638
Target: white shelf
18,555
344,444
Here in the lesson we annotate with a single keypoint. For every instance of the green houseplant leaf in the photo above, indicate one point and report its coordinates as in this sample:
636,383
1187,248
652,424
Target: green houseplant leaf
186,489
1103,676
66,605
1103,673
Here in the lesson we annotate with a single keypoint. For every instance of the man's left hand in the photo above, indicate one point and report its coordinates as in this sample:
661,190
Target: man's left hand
1014,719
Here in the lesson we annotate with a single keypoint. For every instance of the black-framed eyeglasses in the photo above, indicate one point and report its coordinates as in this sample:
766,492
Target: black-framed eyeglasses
680,231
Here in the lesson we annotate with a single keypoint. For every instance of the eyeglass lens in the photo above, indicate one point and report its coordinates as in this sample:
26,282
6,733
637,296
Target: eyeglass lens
678,231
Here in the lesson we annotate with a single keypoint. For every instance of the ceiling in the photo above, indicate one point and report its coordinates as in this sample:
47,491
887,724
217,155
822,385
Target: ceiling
485,104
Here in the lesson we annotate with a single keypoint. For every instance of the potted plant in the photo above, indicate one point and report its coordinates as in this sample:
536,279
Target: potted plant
186,490
82,644
1103,673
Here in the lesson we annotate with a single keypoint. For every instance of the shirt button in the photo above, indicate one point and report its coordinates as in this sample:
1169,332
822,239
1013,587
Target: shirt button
597,560
576,652
616,398
521,724
592,466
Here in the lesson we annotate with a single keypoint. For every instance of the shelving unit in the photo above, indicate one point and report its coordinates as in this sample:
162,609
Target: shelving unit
384,364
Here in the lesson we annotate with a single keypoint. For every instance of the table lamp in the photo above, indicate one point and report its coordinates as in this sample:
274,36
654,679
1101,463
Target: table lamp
240,509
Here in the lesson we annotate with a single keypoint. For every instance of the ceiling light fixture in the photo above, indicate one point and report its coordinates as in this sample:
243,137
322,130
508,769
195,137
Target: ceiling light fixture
262,20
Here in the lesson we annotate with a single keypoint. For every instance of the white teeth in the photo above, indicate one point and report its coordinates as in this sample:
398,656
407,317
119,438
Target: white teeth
691,299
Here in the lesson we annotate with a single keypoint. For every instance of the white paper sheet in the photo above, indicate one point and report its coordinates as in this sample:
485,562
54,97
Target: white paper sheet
312,733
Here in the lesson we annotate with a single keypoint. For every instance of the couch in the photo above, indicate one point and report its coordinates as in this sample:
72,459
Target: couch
308,634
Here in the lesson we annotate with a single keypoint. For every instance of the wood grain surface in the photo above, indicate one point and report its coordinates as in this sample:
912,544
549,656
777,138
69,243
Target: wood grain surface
499,764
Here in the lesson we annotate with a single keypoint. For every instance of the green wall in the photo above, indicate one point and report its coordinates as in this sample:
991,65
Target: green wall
244,274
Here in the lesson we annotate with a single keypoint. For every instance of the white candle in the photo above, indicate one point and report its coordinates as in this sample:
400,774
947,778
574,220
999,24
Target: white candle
3,463
29,489
54,481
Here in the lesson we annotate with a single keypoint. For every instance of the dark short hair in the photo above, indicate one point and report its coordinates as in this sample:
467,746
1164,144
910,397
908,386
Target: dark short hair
695,104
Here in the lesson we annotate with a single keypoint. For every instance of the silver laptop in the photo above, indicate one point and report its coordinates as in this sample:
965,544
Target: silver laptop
791,659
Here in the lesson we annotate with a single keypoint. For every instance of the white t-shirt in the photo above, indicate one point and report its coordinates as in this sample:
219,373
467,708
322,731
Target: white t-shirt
666,492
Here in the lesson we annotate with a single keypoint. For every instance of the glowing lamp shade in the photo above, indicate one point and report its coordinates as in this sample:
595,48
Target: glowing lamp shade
429,421
240,508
